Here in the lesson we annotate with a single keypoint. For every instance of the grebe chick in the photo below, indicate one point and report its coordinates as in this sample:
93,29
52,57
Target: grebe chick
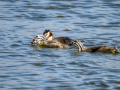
64,40
41,40
105,49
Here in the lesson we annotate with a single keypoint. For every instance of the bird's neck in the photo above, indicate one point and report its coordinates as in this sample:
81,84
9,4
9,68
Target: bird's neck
82,47
50,38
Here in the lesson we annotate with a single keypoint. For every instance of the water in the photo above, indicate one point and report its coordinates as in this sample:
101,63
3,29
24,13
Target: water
94,22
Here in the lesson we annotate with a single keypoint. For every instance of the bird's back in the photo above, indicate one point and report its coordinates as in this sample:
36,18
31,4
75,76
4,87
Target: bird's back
64,40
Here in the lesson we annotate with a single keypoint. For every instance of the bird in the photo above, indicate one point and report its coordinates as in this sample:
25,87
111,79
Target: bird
104,48
63,40
41,40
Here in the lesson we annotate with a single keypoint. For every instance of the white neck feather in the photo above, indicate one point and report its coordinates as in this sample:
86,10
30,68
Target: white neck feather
80,45
50,38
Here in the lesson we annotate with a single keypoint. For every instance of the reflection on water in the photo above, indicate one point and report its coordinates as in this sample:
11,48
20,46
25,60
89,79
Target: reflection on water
34,67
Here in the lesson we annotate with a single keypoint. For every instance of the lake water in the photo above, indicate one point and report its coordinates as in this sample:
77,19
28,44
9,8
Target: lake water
93,22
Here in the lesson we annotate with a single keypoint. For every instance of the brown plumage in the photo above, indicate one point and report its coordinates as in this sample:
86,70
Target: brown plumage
52,44
105,49
48,43
41,40
64,40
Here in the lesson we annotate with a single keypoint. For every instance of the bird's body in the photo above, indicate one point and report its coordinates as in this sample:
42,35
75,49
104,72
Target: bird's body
40,39
63,40
105,49
60,42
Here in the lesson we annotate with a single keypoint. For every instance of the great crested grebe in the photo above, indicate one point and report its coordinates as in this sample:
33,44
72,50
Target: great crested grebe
64,40
105,49
41,40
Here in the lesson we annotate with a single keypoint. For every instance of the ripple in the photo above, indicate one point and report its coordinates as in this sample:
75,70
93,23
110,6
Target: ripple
66,30
17,55
73,63
14,45
51,55
39,64
93,22
83,65
4,76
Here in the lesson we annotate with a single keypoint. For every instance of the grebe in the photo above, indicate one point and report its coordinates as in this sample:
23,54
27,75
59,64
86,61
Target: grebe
105,49
64,40
41,40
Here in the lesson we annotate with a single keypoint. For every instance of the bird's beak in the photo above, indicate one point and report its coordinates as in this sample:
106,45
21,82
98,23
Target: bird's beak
31,42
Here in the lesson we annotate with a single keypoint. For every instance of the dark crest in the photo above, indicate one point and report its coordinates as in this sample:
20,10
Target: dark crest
46,31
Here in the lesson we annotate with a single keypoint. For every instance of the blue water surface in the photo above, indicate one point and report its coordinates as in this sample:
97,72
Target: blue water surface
93,22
